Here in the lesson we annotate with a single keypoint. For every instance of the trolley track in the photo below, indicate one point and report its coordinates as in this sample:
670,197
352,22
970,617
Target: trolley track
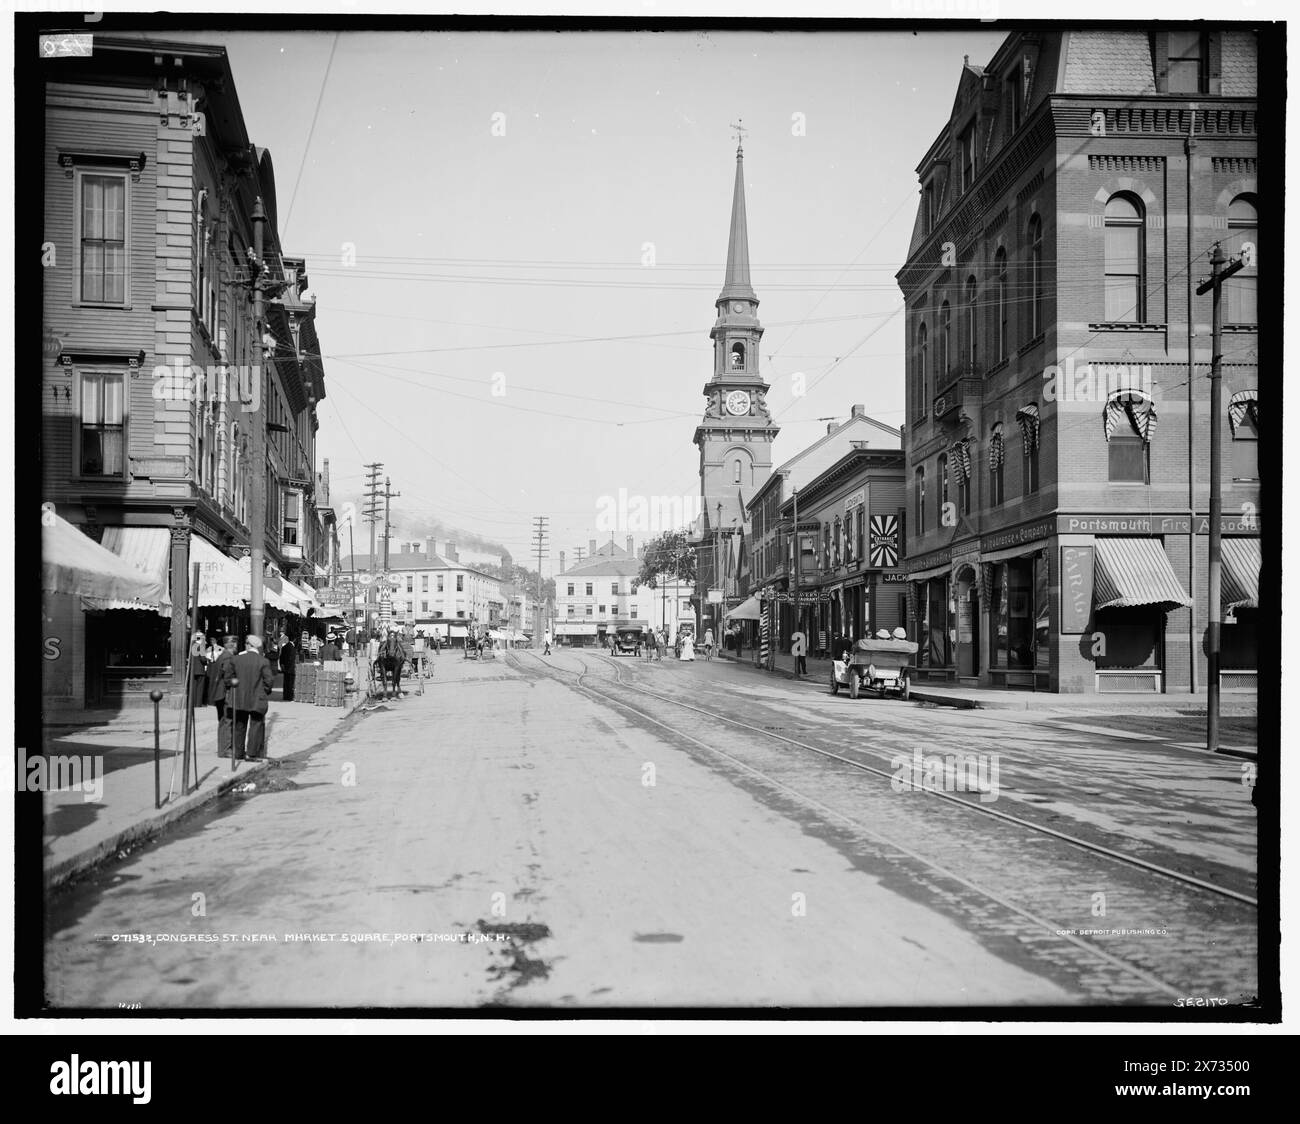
1209,941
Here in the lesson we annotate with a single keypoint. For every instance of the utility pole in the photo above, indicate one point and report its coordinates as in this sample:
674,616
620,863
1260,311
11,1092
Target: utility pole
1218,274
539,535
257,446
388,496
580,552
371,513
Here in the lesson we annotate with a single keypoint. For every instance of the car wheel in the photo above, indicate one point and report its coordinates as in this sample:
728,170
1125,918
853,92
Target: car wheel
905,694
835,684
854,688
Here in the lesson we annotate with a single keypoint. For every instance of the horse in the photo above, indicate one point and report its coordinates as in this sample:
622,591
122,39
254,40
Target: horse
392,654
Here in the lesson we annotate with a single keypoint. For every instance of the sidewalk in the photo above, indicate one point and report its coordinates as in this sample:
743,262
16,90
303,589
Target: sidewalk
87,823
1233,703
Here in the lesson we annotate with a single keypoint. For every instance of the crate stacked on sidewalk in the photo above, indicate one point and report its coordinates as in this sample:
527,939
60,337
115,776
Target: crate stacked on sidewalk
330,687
306,685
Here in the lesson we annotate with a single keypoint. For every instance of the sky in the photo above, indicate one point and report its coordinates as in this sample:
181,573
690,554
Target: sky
516,240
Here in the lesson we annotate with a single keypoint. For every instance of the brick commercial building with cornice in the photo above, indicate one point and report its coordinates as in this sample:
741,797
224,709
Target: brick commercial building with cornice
1057,399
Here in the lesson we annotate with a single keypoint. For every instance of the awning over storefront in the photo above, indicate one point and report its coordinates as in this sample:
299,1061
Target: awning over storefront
304,598
575,628
271,586
749,610
1134,572
72,562
458,628
148,551
1240,583
222,582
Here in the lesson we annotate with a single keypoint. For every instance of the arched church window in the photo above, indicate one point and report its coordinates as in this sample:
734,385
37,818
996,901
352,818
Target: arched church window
737,356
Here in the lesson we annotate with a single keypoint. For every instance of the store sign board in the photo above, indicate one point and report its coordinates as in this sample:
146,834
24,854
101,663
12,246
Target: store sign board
1077,569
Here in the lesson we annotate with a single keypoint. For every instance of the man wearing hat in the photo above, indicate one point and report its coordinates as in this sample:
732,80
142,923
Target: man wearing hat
248,694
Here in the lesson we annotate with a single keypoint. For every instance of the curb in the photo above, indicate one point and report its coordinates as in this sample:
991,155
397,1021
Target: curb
162,818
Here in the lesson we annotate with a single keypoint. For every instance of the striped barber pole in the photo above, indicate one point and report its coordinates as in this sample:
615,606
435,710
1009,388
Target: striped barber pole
764,634
385,609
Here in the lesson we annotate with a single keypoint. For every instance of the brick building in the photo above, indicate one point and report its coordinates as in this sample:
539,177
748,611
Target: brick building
1056,534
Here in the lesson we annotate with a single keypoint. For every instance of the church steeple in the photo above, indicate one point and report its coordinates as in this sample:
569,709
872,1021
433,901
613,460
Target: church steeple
737,286
736,332
736,433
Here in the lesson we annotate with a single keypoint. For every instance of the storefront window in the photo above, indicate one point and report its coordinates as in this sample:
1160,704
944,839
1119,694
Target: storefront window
1020,619
998,653
1042,615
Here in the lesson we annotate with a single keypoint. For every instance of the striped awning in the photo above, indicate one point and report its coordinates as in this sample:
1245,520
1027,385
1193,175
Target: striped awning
1027,416
1242,403
1135,572
148,550
1133,408
1239,588
997,450
960,454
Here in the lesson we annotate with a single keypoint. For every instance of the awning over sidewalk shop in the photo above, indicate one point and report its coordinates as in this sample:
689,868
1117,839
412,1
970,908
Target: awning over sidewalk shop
1241,562
575,628
304,598
72,562
148,551
458,628
748,610
271,594
222,583
1134,572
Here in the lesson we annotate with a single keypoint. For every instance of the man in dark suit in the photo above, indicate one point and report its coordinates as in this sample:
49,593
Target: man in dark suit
249,694
288,664
220,672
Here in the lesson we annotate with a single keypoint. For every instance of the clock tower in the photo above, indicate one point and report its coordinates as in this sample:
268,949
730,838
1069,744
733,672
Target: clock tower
736,434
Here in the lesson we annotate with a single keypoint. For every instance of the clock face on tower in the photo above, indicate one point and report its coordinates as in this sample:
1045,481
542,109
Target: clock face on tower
738,402
737,307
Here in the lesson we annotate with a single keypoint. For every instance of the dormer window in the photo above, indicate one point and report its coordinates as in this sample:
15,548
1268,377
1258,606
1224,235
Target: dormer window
737,356
928,206
967,145
1015,96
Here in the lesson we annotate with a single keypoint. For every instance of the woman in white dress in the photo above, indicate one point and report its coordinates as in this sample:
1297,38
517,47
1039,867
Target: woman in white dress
688,648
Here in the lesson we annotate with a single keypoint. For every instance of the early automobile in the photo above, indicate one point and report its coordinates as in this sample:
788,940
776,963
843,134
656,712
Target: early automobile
880,665
627,642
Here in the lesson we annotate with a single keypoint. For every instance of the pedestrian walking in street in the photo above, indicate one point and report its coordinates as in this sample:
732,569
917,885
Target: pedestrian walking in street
799,649
220,672
288,664
546,640
253,683
708,643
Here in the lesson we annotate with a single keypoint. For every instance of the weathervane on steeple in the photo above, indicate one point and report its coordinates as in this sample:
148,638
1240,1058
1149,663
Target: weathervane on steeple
740,135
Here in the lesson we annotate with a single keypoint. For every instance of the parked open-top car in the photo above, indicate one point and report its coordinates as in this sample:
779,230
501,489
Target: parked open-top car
877,665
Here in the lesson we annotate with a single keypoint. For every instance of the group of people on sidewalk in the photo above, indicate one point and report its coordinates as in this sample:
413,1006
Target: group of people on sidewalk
238,686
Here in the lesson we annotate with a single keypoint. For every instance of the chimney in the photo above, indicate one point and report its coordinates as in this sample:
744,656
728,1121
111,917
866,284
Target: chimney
591,548
630,549
859,411
561,561
451,552
431,547
830,427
